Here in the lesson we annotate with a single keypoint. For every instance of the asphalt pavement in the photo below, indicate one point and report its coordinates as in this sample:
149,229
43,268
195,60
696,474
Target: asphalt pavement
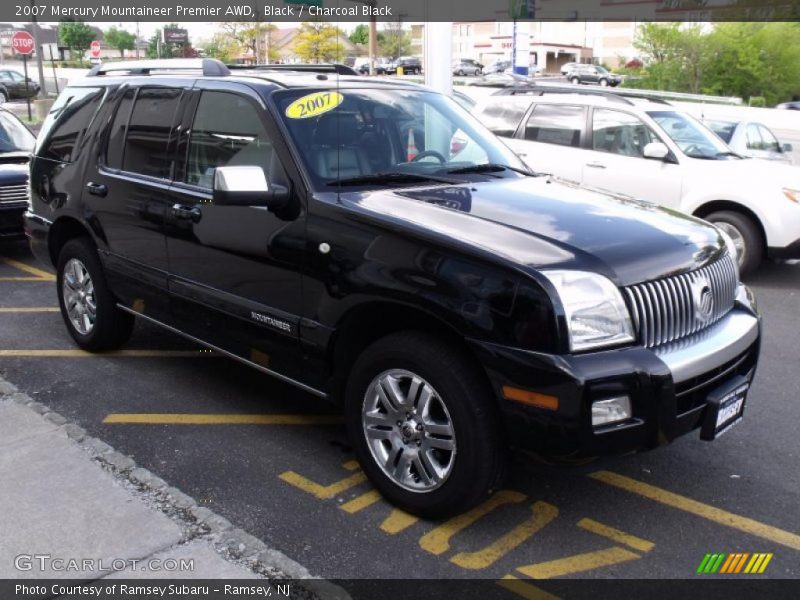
276,462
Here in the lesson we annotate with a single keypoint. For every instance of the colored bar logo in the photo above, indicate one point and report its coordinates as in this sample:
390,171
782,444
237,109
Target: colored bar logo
731,564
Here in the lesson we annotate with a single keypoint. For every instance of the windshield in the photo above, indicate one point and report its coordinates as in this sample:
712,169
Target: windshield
356,136
723,129
14,136
694,139
601,69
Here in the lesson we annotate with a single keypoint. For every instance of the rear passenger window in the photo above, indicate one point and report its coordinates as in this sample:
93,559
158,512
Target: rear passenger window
503,117
67,122
556,124
146,141
228,132
119,126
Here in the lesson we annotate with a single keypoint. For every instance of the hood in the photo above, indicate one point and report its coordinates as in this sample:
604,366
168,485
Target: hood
545,223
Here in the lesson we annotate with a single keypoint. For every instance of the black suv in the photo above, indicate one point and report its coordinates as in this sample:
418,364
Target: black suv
16,145
371,243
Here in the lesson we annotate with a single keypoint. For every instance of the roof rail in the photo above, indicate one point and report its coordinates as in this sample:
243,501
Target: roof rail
615,95
337,68
207,66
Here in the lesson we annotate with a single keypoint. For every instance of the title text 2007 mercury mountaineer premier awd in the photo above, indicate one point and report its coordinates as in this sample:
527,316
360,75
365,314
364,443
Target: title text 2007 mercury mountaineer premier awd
371,242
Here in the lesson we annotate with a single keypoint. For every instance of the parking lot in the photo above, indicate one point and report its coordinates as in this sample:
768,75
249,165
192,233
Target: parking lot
276,461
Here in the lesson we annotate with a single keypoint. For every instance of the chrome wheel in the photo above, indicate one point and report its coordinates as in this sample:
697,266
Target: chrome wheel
408,430
736,237
79,298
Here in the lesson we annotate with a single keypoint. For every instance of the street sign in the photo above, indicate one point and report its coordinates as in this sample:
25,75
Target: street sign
94,49
22,42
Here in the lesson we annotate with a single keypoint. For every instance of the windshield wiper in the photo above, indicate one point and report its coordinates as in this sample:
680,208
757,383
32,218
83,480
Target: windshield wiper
491,168
390,177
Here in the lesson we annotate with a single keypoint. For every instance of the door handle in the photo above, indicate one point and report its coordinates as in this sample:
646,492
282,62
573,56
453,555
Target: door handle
187,213
596,165
97,189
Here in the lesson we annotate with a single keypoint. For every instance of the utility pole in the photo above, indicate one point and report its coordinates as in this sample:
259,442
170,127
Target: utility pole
36,37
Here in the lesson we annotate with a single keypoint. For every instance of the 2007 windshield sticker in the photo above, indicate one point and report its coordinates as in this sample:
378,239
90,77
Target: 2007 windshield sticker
313,105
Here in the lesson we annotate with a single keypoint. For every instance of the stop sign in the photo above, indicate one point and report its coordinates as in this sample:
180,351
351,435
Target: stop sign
94,48
22,42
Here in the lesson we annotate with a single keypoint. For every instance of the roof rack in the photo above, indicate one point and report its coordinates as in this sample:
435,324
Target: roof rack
336,68
207,66
616,95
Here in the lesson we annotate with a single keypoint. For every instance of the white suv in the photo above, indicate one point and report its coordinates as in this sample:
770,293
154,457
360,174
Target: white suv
651,151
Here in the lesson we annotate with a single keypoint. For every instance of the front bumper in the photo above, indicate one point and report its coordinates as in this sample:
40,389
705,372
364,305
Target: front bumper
667,386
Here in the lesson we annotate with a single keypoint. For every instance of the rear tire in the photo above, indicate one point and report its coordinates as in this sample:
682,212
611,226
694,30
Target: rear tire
604,83
574,81
3,97
424,425
87,305
746,237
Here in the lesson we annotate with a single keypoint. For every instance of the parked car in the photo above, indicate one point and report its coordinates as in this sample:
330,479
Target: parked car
498,66
16,144
570,66
593,74
795,105
751,139
411,65
467,67
381,67
305,228
649,150
14,86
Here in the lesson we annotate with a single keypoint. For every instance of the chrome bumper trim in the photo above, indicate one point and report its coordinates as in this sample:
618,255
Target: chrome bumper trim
702,352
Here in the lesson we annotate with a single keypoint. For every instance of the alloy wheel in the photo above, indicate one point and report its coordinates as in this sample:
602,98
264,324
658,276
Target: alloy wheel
79,297
408,430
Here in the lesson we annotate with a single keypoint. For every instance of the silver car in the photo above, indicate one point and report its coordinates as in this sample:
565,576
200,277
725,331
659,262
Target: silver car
751,139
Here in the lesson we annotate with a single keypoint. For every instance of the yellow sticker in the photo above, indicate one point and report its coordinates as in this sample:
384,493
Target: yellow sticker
313,105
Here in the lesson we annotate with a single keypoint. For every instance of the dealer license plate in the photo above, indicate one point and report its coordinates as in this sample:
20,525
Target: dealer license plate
725,408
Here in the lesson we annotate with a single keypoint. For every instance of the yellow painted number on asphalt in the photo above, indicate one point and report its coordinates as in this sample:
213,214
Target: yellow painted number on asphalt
313,105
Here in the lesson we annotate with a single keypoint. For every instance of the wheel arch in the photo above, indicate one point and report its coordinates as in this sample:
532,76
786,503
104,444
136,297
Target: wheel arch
713,206
364,324
63,230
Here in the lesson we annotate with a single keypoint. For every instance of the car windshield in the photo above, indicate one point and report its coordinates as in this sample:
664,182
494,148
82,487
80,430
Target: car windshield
692,137
375,137
14,136
601,69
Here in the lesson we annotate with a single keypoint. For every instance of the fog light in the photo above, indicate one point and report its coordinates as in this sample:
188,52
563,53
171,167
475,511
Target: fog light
611,410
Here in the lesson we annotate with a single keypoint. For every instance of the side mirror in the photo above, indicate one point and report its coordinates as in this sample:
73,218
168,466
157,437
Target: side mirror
247,186
656,150
787,147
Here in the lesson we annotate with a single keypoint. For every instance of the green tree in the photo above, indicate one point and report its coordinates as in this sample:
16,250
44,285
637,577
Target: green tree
317,41
76,35
253,37
360,35
168,50
120,39
394,41
222,47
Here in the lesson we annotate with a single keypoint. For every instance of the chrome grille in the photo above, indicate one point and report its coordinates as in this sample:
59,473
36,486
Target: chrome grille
13,193
667,309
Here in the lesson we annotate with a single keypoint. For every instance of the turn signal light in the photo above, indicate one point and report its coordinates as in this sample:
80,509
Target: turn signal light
530,398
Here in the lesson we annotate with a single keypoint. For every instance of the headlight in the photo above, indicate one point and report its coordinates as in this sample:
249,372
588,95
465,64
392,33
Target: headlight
793,195
596,313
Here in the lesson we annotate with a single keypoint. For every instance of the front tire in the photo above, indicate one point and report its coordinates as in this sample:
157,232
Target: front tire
423,424
87,305
574,81
746,238
3,96
604,83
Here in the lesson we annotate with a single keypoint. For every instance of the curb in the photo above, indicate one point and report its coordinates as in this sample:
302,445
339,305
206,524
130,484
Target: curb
233,544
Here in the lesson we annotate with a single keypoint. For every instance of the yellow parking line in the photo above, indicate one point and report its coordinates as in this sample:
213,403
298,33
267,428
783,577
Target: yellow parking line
20,266
524,589
37,309
206,419
578,563
115,354
706,511
616,535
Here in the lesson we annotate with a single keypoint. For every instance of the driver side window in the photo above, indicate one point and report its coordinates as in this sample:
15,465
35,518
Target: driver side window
227,131
620,133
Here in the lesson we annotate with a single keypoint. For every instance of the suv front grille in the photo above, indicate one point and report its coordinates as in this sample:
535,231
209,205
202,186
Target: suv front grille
667,309
13,194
